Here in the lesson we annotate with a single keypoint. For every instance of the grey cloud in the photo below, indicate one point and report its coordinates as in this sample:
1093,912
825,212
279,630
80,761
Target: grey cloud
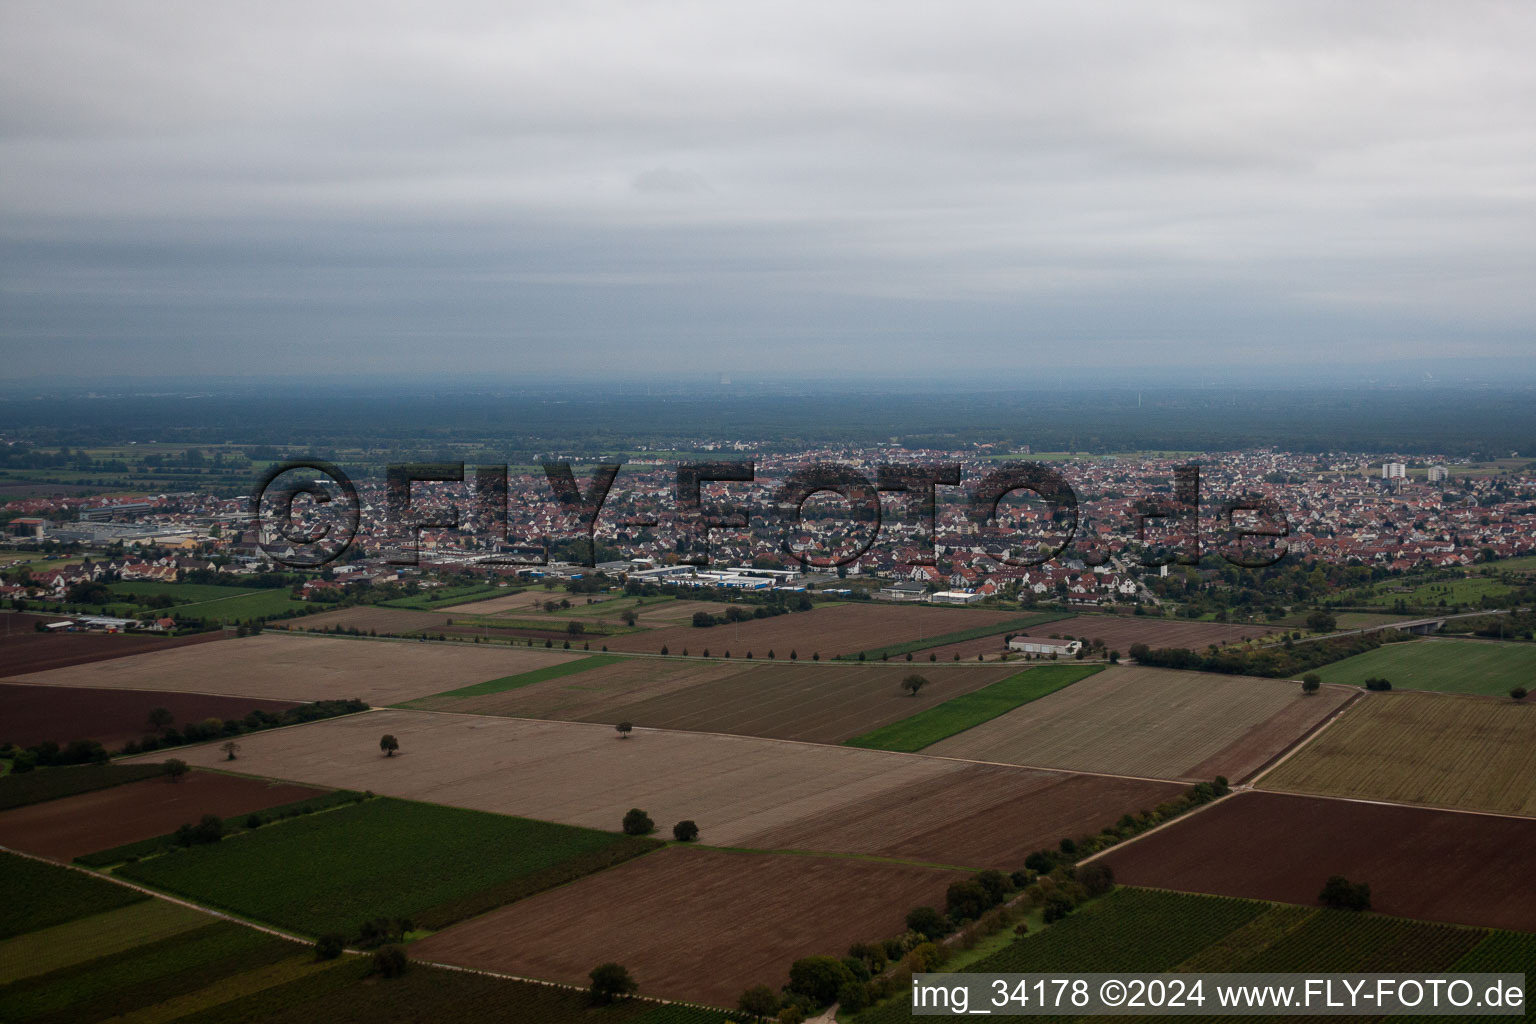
1287,181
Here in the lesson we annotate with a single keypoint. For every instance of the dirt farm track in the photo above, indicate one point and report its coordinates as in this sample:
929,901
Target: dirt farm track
1432,865
695,924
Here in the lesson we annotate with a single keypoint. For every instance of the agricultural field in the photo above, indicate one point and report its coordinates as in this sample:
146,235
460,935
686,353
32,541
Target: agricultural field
980,640
382,858
1144,930
368,618
444,597
696,924
979,816
816,703
75,825
205,601
36,895
1119,632
1472,753
280,667
34,714
502,602
588,687
82,954
1423,864
1151,723
735,787
24,650
963,712
830,630
1446,666
52,783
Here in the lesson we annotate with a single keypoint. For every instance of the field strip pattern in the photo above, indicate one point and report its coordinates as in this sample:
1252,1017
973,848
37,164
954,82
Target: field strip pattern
1422,748
745,915
1283,847
1151,723
285,666
741,791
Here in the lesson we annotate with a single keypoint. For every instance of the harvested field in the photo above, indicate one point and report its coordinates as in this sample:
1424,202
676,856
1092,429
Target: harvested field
982,816
731,785
830,630
33,714
25,650
818,703
281,667
1151,723
366,618
1119,632
1279,847
590,693
740,790
504,603
747,916
1475,753
75,825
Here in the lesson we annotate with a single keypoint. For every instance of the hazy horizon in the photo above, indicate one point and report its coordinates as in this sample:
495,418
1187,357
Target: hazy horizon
874,191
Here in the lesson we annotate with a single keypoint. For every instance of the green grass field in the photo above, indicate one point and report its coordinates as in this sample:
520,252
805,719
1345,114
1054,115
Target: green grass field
383,858
182,593
961,713
446,597
1148,930
35,895
538,675
51,783
1018,625
1447,666
156,962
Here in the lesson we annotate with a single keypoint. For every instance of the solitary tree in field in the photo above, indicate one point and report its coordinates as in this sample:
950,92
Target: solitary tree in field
610,982
638,823
1311,683
388,744
176,768
160,719
1518,693
685,831
913,683
230,749
624,729
629,617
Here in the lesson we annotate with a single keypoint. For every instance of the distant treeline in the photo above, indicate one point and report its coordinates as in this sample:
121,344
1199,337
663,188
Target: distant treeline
1284,660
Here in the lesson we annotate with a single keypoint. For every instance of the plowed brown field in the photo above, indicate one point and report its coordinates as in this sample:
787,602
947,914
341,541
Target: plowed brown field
75,825
1433,865
694,924
983,816
23,649
829,630
33,714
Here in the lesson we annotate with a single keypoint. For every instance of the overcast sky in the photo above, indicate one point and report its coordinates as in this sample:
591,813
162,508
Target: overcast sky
891,188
